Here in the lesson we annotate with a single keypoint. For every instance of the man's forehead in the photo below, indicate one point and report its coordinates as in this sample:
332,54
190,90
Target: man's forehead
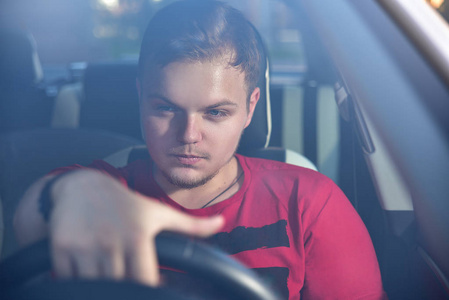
196,83
156,77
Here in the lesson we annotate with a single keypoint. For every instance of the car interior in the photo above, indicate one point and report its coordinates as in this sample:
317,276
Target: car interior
320,108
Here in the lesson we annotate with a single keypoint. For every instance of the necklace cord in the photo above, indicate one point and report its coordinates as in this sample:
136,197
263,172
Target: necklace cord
227,189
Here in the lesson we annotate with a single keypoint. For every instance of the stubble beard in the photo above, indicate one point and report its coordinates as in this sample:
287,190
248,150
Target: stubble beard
185,183
193,183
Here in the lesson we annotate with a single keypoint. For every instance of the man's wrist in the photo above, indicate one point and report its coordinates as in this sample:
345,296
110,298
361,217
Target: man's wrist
45,201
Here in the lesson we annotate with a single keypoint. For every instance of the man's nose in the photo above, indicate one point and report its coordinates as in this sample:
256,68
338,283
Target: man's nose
190,130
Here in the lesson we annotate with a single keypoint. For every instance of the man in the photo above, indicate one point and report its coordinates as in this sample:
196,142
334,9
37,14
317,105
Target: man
198,71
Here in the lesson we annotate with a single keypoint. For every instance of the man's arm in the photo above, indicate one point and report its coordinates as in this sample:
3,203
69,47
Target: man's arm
340,259
100,228
29,224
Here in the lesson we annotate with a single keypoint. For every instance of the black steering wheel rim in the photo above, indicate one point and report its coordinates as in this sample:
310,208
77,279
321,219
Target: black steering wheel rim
173,251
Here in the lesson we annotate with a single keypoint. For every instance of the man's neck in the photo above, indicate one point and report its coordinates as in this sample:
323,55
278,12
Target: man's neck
222,186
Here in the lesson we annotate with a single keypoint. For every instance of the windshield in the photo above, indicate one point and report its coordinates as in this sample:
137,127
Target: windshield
94,30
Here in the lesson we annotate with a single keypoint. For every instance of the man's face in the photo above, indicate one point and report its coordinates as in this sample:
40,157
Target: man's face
193,114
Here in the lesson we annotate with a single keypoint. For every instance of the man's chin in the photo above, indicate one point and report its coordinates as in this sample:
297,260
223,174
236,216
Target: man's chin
188,182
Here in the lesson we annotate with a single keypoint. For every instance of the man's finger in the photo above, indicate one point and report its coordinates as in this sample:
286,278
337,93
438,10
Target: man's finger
112,265
202,227
172,220
86,266
142,264
62,264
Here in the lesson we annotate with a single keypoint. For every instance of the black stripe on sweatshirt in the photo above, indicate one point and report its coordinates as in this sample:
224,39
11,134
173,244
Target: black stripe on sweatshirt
251,238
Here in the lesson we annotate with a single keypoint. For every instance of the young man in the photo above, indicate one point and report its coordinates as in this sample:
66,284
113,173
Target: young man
198,71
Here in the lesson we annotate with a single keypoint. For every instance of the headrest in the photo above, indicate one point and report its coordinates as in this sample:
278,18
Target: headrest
19,63
257,134
110,98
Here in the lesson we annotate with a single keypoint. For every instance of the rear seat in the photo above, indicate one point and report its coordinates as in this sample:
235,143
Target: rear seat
24,103
110,98
67,106
106,99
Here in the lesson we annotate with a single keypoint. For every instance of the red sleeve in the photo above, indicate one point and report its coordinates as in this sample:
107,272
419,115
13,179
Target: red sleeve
102,166
340,258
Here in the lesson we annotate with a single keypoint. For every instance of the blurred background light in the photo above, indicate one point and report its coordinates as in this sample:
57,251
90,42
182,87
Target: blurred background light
436,3
109,4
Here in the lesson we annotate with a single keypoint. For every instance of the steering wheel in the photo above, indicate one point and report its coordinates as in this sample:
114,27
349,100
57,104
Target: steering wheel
173,251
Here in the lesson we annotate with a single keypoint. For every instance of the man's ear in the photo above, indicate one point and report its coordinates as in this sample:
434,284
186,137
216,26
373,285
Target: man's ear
254,98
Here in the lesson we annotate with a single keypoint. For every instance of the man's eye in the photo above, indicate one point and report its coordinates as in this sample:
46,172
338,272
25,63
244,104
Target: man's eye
217,113
164,108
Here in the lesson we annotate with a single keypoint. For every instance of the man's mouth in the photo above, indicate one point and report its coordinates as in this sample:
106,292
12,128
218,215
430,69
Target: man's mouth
188,159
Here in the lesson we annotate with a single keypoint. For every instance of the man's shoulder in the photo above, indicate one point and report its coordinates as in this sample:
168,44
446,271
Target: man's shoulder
262,164
280,172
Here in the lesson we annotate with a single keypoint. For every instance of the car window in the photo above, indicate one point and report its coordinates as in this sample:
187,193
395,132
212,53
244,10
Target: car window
92,30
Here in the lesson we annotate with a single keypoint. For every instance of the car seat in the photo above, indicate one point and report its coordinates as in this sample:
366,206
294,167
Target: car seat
23,103
110,98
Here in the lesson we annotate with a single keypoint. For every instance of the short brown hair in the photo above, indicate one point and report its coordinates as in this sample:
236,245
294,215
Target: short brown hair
199,30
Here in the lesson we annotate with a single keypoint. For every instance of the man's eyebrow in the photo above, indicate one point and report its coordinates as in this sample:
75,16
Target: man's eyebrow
163,98
225,102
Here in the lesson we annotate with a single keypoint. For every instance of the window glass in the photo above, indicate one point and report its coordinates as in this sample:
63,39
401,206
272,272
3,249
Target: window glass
279,31
90,30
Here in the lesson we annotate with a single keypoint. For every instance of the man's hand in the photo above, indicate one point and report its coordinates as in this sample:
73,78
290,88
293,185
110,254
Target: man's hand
99,228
